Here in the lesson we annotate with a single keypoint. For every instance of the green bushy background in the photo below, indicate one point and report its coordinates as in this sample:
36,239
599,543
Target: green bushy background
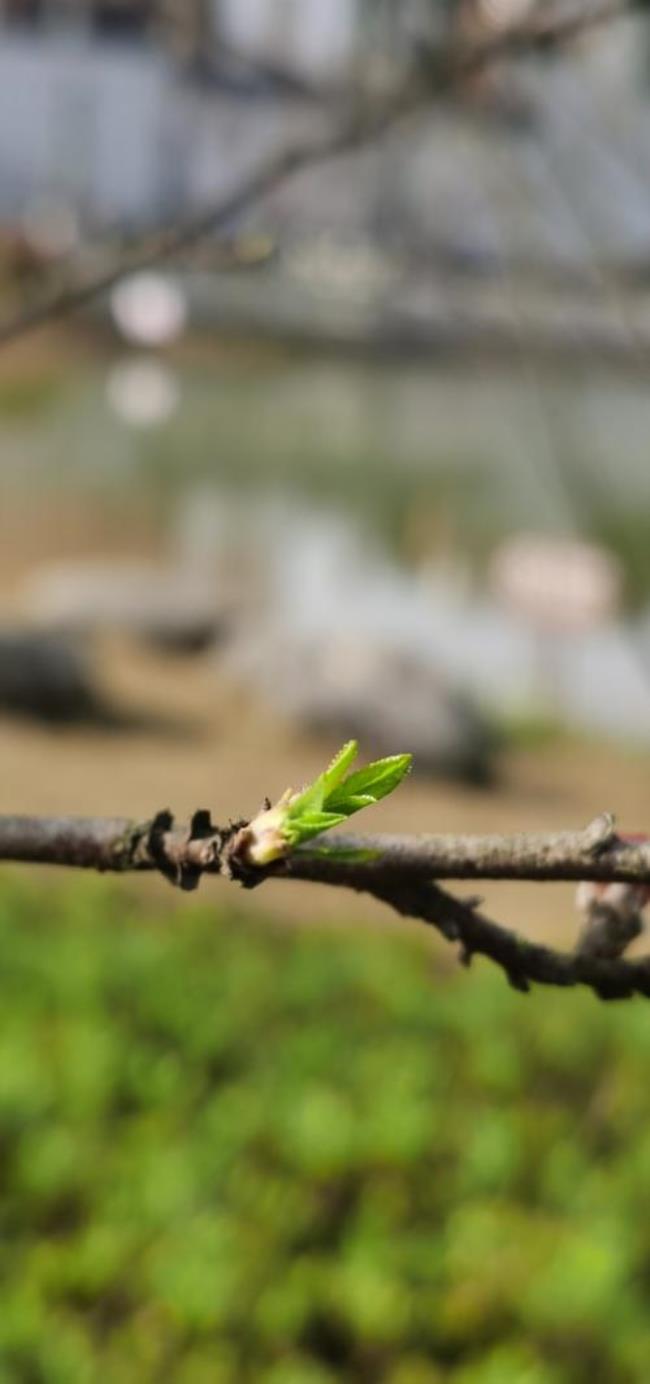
230,1152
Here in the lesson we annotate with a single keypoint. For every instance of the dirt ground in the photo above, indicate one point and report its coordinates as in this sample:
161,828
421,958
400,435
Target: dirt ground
223,751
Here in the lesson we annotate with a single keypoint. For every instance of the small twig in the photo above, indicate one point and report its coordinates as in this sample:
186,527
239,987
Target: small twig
524,963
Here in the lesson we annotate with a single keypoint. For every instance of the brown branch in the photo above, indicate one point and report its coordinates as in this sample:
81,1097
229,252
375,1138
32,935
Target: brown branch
117,844
596,853
551,25
397,870
449,69
168,242
523,962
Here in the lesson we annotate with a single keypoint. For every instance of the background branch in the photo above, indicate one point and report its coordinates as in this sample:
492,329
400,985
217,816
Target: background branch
442,70
61,301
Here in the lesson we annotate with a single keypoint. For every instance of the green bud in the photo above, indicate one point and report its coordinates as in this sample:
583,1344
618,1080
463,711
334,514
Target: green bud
323,804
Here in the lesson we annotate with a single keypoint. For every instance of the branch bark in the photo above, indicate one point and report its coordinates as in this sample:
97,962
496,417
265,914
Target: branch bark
595,853
400,871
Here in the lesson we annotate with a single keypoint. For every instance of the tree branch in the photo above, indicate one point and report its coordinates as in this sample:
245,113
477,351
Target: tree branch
524,963
397,870
596,853
163,245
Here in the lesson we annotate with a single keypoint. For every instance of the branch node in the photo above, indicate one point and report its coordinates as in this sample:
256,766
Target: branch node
162,823
600,834
233,862
180,872
201,825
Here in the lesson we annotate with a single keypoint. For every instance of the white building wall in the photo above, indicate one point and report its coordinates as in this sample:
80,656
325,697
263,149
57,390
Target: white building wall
316,37
85,122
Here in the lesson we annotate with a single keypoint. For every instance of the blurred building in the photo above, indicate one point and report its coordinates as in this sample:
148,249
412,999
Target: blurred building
105,102
127,108
85,115
131,112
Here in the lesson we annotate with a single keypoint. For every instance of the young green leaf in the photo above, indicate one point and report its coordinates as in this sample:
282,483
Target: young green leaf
311,824
327,802
332,798
315,795
352,803
370,784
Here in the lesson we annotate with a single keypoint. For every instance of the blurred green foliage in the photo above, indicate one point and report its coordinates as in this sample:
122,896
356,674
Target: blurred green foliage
627,535
234,1152
29,396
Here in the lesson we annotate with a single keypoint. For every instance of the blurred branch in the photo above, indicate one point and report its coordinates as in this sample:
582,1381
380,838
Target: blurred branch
524,963
555,24
397,870
441,71
165,244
